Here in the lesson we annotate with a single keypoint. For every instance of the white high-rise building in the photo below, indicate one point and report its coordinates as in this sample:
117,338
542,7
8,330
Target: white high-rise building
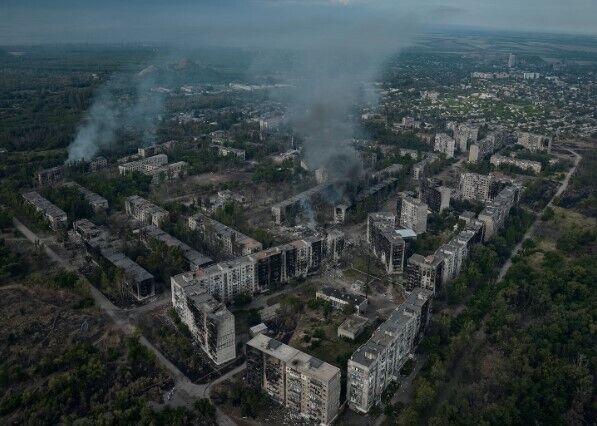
304,384
211,324
444,143
412,214
378,362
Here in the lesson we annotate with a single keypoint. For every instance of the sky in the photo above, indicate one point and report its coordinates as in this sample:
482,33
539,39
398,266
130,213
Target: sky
234,22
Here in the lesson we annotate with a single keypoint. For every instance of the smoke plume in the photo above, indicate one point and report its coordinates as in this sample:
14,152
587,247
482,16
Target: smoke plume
125,102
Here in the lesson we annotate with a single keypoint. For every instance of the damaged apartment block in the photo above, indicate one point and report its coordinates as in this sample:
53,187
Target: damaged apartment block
107,249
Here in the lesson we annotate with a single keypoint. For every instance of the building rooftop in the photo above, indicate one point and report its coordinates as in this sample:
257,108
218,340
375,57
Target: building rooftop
191,255
355,299
353,324
294,358
406,233
42,203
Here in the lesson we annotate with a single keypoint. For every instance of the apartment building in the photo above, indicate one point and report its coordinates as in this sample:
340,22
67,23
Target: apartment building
476,187
144,165
445,144
379,218
97,164
412,213
54,215
225,151
210,323
377,363
302,383
465,134
453,254
334,244
387,245
534,142
498,160
96,201
263,270
222,238
436,196
144,211
193,258
495,212
106,248
50,176
424,272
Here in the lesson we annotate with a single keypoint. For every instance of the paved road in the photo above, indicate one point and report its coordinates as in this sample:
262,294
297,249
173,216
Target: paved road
533,227
185,390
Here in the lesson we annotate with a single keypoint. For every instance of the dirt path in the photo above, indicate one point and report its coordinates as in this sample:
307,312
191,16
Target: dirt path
186,392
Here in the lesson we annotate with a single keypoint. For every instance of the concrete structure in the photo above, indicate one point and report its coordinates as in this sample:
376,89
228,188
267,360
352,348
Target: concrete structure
412,213
476,187
144,165
341,299
379,218
210,323
533,166
385,241
496,211
288,210
49,176
534,142
436,196
54,215
473,153
225,151
106,248
424,272
144,211
420,168
302,383
264,270
96,201
260,328
453,255
352,327
155,166
445,144
465,134
511,60
222,238
97,164
378,362
334,244
374,194
193,258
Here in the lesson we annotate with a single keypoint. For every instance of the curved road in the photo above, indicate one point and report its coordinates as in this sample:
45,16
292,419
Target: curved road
186,392
532,228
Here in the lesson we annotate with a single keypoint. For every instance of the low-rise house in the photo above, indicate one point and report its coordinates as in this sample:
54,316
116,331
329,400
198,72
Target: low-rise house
352,327
341,299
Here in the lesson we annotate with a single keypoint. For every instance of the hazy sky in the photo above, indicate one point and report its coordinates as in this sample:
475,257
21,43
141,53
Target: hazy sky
230,21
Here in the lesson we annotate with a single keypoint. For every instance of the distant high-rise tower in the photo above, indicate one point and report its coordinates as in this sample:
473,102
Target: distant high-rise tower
512,60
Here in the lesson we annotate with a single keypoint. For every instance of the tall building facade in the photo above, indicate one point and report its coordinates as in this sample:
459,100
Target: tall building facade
302,383
210,323
374,365
412,213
